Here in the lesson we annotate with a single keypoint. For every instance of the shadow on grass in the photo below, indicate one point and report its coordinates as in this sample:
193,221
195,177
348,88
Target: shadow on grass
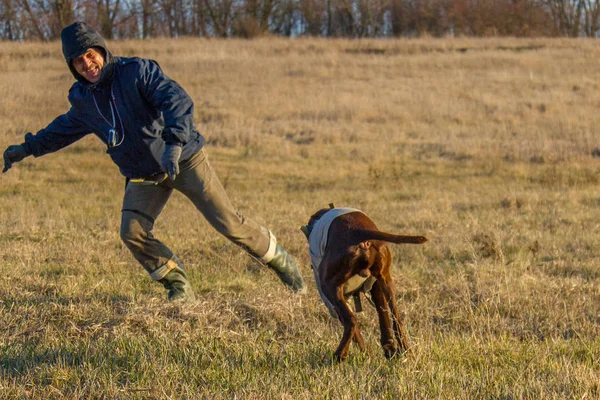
54,331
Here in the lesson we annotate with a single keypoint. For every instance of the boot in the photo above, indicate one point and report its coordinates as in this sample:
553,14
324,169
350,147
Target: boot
287,270
178,286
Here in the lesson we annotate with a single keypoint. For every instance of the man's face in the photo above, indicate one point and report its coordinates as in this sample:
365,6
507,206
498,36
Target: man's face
89,64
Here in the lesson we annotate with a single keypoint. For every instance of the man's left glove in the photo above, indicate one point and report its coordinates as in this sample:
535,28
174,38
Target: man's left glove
13,154
170,160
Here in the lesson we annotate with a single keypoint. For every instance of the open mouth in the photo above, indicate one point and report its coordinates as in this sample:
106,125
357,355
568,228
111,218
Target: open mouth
92,74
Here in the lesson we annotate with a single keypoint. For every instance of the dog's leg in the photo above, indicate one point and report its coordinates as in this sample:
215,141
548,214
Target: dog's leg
347,318
385,321
399,331
387,287
358,338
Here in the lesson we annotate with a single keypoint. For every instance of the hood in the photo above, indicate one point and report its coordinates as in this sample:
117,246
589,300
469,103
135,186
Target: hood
76,39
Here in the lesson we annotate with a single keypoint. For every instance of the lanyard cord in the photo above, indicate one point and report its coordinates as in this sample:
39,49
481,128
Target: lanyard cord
112,112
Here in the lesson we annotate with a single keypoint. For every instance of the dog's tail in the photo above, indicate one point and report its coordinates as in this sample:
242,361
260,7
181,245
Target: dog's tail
365,234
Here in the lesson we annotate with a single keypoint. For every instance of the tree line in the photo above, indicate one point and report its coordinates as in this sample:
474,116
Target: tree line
129,19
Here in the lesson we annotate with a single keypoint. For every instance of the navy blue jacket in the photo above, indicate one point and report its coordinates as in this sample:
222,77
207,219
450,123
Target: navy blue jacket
150,110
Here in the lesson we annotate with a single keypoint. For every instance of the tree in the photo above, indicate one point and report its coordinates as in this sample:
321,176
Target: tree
7,15
220,13
591,10
108,10
566,15
34,20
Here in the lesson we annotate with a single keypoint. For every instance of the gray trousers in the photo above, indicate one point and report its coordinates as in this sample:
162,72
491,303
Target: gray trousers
143,203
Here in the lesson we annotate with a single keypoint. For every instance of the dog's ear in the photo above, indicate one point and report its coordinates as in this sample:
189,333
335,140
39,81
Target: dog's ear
331,205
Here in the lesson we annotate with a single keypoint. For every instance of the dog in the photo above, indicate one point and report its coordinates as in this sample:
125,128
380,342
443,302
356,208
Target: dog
349,255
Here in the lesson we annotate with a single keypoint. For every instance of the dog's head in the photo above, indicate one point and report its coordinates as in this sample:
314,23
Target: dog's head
307,229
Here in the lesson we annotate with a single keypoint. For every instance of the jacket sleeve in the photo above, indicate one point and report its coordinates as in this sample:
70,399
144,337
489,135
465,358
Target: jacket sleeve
171,99
60,133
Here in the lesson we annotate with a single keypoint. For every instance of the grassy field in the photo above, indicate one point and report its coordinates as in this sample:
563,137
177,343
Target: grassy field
488,147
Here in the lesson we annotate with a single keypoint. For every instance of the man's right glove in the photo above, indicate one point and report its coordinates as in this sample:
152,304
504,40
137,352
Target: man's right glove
13,154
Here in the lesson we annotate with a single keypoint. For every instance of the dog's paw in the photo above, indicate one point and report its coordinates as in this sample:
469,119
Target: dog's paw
338,357
391,351
394,353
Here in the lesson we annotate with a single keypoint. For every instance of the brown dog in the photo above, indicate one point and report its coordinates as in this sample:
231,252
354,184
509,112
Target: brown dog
349,255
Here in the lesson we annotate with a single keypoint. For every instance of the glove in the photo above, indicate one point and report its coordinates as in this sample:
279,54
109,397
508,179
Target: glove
170,160
13,154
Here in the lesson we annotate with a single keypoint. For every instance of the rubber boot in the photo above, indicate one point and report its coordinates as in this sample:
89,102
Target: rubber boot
178,286
287,270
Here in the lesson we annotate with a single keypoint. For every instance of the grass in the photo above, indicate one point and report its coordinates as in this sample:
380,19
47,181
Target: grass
487,146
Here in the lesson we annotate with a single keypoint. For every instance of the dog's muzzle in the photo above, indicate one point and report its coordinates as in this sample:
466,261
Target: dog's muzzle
306,229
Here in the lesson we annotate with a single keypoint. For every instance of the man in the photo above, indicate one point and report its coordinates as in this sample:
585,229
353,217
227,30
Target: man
146,121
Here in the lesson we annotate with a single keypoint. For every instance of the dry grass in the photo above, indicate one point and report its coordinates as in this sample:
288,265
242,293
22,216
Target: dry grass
489,147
